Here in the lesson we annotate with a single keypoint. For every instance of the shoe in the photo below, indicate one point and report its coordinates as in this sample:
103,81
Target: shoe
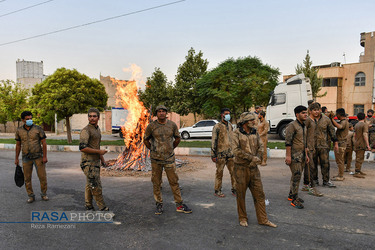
297,204
45,198
316,182
362,173
315,192
243,223
234,192
263,164
358,175
337,178
31,199
104,209
90,208
290,198
269,224
219,194
184,209
329,184
159,209
347,170
305,188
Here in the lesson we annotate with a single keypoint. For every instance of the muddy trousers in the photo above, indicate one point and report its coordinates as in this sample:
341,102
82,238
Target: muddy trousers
220,164
264,141
348,158
40,170
249,177
359,158
296,169
322,157
93,188
309,168
156,179
340,160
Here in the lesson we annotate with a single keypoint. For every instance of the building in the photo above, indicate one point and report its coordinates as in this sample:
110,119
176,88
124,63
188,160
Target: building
29,73
110,85
350,86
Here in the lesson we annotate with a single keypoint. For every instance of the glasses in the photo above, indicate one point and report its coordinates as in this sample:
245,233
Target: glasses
93,116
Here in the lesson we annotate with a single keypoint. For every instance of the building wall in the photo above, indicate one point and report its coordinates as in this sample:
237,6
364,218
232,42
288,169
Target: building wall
110,87
29,73
188,120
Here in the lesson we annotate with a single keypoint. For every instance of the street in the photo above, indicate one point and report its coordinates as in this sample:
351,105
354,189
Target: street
342,219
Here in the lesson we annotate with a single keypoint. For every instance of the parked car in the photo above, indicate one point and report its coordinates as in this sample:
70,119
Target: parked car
200,129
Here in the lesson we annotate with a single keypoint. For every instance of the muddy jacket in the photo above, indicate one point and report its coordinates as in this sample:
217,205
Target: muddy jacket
31,141
161,137
342,133
296,138
90,137
221,140
311,136
359,139
246,147
324,130
263,128
370,121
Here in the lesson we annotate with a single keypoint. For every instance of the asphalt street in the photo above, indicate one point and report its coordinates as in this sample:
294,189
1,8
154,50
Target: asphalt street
342,219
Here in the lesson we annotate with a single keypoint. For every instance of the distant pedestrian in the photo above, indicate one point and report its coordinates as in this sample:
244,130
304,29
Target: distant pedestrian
361,144
263,128
32,140
349,148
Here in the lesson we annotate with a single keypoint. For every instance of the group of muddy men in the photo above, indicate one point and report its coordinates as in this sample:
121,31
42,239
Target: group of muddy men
308,142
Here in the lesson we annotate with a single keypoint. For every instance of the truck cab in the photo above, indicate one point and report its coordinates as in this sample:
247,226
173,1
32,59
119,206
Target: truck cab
285,97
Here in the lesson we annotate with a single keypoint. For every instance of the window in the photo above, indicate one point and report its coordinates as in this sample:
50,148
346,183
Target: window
200,124
210,123
330,82
359,108
278,99
360,79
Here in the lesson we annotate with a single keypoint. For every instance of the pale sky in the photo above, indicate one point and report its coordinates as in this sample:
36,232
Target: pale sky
278,32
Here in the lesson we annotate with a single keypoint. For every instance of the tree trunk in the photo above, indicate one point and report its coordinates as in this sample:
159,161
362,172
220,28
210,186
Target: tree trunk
5,127
195,117
68,130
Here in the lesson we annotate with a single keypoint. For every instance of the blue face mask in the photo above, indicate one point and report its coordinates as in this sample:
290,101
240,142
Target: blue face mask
29,123
227,117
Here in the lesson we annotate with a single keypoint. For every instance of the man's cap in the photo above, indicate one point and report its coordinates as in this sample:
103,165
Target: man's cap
247,116
161,107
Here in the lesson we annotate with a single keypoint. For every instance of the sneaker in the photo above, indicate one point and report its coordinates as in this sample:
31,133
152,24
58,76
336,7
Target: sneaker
362,173
219,194
305,188
263,164
45,198
337,178
234,192
159,209
184,209
329,184
358,175
269,224
243,223
315,192
297,204
31,199
90,208
290,198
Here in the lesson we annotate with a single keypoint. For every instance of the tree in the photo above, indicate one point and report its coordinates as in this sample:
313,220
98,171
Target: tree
185,94
158,91
13,100
237,84
312,73
67,92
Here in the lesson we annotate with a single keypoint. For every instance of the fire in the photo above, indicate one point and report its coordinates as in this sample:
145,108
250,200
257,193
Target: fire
136,155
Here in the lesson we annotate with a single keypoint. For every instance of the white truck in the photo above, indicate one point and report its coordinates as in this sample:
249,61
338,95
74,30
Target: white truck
285,97
119,116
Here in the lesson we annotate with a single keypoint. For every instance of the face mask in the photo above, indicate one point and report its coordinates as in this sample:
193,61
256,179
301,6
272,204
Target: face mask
227,118
369,116
29,123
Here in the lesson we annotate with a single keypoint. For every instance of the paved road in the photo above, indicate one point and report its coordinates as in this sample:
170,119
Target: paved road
342,219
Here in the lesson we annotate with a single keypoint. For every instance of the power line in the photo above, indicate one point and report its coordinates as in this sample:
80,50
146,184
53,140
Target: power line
29,7
94,22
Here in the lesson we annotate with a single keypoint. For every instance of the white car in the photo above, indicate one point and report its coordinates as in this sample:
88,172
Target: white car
200,129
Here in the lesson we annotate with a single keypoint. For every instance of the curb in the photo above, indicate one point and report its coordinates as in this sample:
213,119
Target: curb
271,153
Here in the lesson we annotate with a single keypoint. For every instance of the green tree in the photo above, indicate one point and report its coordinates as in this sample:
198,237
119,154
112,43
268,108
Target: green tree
185,94
237,84
158,91
312,73
67,92
13,100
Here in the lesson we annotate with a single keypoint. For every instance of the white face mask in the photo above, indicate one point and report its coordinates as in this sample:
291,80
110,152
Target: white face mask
227,117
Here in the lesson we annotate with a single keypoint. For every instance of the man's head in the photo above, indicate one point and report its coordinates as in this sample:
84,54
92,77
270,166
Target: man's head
309,102
258,109
340,113
27,118
93,115
315,109
261,115
247,119
351,127
370,113
161,112
325,110
361,116
225,114
301,113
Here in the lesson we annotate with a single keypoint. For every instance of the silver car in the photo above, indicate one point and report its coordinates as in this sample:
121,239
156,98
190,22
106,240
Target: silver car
200,129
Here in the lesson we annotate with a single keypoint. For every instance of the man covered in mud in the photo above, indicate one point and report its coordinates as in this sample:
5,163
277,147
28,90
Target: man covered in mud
263,128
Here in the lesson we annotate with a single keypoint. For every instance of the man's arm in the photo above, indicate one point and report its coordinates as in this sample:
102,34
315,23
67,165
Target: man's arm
176,142
88,150
18,150
215,132
44,144
289,136
336,124
288,156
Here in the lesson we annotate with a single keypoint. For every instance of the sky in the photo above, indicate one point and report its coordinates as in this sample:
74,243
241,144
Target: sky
278,32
